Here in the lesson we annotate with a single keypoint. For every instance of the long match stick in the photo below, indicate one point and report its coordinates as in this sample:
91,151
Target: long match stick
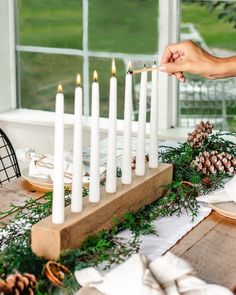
143,70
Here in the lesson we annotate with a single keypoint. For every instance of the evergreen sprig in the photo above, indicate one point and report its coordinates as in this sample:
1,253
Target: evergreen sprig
183,156
107,248
220,142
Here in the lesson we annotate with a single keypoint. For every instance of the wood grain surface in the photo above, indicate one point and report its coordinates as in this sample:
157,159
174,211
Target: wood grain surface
16,192
210,247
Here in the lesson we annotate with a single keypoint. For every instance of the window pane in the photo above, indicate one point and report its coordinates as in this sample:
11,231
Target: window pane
103,67
50,23
123,26
201,98
39,77
208,29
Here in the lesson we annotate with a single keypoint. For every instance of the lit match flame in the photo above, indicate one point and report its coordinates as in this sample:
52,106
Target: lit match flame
78,80
59,88
95,76
113,67
129,65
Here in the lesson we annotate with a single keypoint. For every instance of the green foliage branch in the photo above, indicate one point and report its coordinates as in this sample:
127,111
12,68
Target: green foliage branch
107,247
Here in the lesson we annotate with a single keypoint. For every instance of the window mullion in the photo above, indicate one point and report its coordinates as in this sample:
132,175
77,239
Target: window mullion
175,83
12,52
168,33
7,56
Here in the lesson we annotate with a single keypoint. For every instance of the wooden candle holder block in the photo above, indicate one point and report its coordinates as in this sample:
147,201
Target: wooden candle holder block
49,239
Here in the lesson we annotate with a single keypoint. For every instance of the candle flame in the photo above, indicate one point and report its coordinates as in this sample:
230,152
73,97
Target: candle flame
113,67
129,65
78,80
59,88
95,76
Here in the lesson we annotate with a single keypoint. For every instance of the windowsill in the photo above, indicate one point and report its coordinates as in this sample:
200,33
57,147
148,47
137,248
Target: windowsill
46,119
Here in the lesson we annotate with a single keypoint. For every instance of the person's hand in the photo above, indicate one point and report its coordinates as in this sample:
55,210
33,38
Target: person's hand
188,57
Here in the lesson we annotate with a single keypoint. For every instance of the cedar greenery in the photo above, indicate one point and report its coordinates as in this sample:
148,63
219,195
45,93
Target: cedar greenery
107,247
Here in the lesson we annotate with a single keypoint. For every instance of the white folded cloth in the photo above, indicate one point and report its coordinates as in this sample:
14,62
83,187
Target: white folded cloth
44,169
41,165
27,154
166,275
226,194
176,276
131,277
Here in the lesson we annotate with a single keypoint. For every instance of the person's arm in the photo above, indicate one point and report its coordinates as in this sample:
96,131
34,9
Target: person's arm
227,67
188,57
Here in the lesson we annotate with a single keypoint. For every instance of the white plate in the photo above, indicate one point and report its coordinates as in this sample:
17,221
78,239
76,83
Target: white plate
227,209
42,183
47,184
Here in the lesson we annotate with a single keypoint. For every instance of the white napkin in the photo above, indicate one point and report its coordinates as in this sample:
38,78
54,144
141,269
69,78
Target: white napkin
176,277
166,275
26,154
41,165
131,277
44,169
226,194
166,269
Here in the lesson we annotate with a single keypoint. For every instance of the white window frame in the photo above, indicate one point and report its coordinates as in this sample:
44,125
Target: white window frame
168,90
168,33
8,98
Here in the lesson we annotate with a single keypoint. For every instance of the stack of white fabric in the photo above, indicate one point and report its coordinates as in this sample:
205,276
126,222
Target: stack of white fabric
41,165
226,194
166,275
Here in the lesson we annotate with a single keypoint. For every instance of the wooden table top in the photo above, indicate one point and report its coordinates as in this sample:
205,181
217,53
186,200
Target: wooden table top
210,247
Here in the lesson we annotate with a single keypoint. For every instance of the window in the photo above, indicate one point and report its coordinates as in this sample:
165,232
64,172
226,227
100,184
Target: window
57,39
202,99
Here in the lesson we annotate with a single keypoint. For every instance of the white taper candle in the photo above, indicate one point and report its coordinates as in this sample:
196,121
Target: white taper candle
111,150
77,189
94,185
58,201
127,133
141,139
153,147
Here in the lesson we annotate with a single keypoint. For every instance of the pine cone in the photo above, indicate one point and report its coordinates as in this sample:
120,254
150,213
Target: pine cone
200,134
213,162
18,284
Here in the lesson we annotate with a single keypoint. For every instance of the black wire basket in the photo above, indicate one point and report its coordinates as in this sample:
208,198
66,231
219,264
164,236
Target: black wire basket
9,168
